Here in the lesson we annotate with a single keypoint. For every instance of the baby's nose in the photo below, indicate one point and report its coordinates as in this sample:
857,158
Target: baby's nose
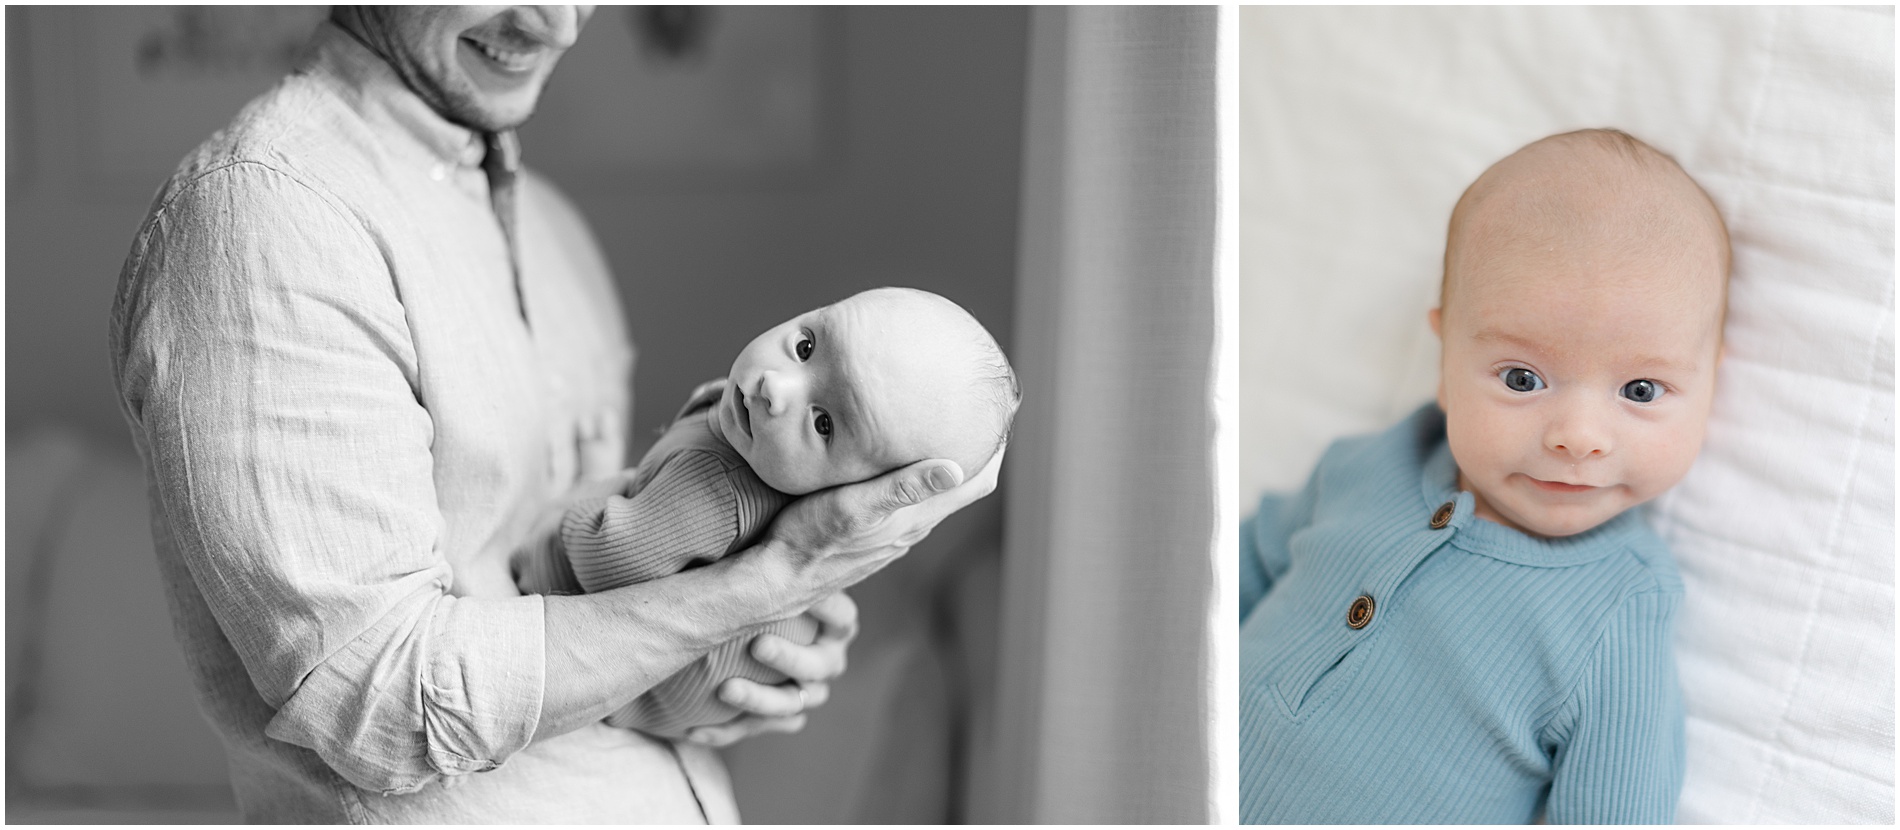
1579,438
779,390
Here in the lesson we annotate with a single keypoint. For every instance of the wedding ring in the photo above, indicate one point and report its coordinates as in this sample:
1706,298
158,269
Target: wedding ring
801,699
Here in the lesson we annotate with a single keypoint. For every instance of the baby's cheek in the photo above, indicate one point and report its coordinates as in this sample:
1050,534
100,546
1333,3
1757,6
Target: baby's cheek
1667,455
1484,441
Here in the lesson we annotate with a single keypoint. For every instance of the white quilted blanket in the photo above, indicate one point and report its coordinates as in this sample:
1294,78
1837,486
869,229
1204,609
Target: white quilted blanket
1361,126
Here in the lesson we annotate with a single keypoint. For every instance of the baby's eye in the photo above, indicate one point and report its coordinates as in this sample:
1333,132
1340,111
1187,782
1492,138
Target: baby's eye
1521,380
804,347
1642,391
822,423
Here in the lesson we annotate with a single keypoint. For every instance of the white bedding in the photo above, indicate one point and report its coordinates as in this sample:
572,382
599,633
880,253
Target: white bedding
1360,127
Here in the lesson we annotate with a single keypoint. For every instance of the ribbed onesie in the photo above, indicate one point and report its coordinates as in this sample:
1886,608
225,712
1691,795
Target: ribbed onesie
691,501
1491,675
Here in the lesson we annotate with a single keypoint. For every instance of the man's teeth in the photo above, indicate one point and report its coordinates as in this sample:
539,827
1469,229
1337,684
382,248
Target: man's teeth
512,60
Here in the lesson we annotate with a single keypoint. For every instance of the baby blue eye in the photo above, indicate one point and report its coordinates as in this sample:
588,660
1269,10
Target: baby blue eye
1521,380
822,424
1642,391
803,349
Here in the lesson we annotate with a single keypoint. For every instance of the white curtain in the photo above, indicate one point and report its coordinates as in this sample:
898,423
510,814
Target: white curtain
1107,676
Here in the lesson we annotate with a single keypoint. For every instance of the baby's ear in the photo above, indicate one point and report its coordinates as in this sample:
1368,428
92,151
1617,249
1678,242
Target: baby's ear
1432,317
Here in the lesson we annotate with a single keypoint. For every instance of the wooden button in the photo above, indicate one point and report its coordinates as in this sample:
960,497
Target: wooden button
1442,516
1360,613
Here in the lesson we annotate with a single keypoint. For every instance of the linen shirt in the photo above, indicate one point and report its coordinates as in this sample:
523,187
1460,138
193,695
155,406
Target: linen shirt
1497,675
348,417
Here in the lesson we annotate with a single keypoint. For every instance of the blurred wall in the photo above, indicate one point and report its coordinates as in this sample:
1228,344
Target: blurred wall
915,183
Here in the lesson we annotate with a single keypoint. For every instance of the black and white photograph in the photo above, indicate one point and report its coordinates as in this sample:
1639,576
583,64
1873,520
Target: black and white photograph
653,414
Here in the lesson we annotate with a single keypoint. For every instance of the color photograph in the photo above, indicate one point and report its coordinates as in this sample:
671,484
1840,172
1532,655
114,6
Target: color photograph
1566,399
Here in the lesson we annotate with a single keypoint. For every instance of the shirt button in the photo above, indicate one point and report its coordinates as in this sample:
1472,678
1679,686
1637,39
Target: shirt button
438,171
1360,613
1442,516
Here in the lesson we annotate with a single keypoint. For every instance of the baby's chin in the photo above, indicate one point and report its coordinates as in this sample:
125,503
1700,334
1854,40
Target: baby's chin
1555,522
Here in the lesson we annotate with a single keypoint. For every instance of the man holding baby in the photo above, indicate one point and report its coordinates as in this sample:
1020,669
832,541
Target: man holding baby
365,357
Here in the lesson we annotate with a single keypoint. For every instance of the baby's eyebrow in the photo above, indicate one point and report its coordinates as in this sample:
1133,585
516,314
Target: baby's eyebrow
1647,361
1496,336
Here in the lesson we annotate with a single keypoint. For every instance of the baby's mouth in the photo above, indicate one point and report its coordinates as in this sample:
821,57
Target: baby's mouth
741,414
1560,487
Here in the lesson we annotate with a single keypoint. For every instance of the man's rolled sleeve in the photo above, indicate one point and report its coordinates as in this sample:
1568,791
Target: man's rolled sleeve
399,708
267,362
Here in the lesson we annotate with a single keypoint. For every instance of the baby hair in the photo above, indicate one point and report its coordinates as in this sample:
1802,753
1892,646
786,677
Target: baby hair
998,388
1612,159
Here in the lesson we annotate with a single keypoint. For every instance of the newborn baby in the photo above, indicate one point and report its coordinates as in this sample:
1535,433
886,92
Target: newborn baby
1461,620
841,394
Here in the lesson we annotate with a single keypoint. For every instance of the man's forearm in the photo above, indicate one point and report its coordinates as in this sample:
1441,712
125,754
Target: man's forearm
605,649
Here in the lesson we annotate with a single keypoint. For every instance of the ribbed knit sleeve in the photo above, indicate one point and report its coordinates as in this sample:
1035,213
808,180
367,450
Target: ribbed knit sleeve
1619,736
1263,543
1254,581
688,510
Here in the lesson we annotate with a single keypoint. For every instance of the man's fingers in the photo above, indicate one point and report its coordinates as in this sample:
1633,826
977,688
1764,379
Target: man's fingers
902,488
781,701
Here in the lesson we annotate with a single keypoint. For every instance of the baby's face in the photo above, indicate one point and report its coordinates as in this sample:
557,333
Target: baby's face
1576,383
849,391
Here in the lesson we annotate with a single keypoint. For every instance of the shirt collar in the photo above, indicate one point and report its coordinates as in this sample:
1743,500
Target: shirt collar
379,95
1438,483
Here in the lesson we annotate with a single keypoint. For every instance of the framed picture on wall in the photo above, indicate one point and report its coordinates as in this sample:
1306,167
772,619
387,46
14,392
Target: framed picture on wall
685,92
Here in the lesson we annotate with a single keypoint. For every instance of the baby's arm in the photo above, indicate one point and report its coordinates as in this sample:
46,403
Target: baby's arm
1264,554
540,566
1619,736
686,512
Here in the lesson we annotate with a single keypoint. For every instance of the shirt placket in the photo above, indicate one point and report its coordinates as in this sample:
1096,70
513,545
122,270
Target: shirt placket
1362,605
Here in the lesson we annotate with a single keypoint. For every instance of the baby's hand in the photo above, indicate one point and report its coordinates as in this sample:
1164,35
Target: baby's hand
782,708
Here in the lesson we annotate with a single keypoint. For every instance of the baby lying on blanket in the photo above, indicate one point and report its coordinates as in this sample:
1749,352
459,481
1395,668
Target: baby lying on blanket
837,395
1462,620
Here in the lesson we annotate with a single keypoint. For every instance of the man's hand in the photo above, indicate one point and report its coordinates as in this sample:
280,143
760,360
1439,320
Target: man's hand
832,539
838,537
605,649
811,668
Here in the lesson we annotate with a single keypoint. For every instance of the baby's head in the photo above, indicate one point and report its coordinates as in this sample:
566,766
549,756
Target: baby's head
1586,278
863,386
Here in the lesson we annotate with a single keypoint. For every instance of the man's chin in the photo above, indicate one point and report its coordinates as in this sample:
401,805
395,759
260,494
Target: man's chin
484,117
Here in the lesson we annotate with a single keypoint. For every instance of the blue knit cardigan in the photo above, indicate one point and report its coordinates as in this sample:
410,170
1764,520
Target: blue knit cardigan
1492,674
